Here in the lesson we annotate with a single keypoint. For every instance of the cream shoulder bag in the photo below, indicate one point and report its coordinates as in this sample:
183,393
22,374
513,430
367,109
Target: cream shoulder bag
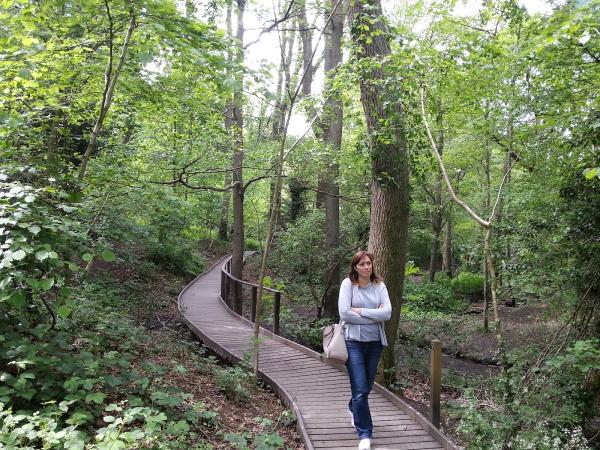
334,342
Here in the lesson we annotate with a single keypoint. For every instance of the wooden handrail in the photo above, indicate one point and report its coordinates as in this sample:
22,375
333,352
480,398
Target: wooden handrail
247,283
227,278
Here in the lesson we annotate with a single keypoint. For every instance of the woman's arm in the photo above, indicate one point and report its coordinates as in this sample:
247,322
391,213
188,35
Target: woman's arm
345,303
383,312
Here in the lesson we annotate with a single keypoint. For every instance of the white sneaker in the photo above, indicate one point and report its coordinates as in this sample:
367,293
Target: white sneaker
364,444
351,418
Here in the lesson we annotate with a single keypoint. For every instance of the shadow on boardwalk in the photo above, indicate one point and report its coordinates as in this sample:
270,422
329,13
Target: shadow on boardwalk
315,389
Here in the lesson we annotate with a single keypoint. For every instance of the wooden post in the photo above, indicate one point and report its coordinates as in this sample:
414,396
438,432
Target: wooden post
276,309
227,283
222,284
254,299
436,381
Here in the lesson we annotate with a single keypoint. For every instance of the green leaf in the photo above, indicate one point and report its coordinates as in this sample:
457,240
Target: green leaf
233,84
591,173
32,283
96,397
46,284
18,255
64,311
41,255
108,256
87,257
34,229
18,299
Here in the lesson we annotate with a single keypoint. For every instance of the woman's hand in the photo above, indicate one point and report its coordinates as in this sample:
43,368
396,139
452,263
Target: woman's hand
356,310
381,306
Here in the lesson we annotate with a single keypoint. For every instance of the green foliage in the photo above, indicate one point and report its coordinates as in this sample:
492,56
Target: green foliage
436,296
42,241
234,382
553,391
177,255
261,441
299,248
252,244
468,283
411,269
305,332
487,432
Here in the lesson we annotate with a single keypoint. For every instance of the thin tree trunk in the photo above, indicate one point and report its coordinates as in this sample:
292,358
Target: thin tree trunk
438,207
54,160
110,80
237,257
447,253
283,95
228,122
333,114
389,161
487,187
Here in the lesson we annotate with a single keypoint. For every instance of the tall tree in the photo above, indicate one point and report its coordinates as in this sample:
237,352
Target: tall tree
389,156
332,132
228,120
237,254
110,80
328,129
437,213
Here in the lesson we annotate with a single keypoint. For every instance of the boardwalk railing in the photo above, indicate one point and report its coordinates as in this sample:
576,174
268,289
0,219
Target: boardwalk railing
248,292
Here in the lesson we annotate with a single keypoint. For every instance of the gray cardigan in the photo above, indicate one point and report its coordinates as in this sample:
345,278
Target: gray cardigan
348,290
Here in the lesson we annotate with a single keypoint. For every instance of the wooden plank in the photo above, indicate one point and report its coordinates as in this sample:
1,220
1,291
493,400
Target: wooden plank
375,445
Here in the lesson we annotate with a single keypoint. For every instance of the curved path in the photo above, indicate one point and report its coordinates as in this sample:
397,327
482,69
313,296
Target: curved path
315,389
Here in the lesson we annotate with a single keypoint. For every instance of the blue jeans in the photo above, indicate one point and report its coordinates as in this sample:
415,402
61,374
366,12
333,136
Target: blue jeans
363,359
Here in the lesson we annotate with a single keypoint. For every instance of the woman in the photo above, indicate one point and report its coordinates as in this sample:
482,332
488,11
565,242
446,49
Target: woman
364,304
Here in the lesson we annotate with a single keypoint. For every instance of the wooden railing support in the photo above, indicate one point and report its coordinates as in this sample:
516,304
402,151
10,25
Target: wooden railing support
223,281
276,309
228,288
436,381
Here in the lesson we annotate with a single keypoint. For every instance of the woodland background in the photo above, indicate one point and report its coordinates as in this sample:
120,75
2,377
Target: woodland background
138,145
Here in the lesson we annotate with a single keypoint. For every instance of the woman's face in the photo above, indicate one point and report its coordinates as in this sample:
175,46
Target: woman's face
364,267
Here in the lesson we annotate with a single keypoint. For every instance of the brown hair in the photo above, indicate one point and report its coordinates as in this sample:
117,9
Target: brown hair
353,274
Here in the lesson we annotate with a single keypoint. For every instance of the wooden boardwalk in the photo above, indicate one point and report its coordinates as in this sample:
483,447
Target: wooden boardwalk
316,390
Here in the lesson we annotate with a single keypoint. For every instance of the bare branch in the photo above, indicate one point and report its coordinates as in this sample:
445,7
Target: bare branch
504,178
271,27
436,153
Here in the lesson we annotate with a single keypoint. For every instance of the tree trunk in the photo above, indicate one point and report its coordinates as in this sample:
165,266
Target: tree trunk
487,158
228,121
237,254
54,159
333,115
438,207
389,160
447,253
110,80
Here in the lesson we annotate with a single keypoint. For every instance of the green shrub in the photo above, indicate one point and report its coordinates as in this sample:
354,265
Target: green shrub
541,411
252,244
178,256
436,296
234,382
468,283
305,332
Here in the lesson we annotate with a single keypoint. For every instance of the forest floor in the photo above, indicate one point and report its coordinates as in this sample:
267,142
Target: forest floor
173,347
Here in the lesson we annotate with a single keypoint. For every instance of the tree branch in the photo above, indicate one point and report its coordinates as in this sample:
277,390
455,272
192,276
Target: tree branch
436,153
